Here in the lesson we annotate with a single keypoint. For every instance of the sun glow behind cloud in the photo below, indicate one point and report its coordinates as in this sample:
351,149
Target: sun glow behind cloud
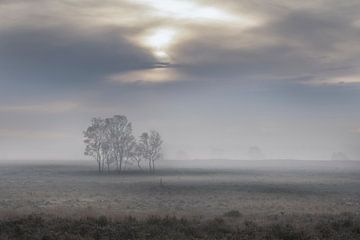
189,10
180,15
160,40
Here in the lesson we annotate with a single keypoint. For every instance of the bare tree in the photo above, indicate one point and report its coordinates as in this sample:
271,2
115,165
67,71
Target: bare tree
107,155
128,148
150,146
137,153
110,141
120,135
144,147
94,139
155,147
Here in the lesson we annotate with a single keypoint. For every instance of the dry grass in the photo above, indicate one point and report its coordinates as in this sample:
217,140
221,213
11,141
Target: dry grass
254,202
79,190
345,226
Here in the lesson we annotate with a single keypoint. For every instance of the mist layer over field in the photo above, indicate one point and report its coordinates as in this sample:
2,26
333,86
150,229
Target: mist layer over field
184,188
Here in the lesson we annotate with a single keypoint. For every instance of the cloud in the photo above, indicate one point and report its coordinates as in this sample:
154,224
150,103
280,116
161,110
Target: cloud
52,107
196,12
276,40
75,43
64,56
341,80
299,42
153,75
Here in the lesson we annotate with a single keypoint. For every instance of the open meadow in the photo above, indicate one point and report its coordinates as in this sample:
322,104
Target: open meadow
195,188
182,200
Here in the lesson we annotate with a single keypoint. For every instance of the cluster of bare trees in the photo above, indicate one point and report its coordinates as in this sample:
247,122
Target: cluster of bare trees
111,143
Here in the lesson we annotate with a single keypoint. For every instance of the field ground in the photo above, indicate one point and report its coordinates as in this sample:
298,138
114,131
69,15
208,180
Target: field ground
268,189
34,227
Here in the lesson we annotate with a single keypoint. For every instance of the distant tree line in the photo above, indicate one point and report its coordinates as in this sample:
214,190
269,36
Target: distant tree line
111,143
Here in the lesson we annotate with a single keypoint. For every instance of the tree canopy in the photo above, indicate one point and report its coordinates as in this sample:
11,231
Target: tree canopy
111,143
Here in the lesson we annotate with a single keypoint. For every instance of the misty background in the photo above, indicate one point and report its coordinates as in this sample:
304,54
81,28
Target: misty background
216,80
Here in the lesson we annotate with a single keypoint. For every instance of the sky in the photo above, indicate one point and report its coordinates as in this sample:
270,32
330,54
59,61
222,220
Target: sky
215,78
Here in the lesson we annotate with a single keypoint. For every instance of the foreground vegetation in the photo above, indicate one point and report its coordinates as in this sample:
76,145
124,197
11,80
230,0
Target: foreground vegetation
345,226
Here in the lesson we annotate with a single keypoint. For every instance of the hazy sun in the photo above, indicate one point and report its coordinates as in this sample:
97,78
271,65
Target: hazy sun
159,41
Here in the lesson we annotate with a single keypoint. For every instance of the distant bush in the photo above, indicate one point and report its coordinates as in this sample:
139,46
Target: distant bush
233,214
50,228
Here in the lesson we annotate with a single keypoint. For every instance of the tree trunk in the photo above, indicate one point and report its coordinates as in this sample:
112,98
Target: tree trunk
102,165
98,161
121,161
117,162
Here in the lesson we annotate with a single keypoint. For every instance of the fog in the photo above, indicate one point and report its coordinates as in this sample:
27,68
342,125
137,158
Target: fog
179,119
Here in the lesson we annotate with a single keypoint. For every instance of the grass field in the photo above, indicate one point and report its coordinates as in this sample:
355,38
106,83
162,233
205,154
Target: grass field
238,193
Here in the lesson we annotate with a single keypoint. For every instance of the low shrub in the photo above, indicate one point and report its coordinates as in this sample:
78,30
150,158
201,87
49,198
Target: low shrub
233,214
155,227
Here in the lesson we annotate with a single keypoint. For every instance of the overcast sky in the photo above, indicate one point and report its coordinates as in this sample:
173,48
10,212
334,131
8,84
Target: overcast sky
213,77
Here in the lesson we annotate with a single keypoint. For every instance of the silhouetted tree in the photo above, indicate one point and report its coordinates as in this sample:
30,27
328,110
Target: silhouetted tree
120,137
137,154
151,146
110,141
94,139
155,147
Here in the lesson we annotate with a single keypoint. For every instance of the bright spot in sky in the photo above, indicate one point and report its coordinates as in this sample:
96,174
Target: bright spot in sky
180,14
186,9
159,40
